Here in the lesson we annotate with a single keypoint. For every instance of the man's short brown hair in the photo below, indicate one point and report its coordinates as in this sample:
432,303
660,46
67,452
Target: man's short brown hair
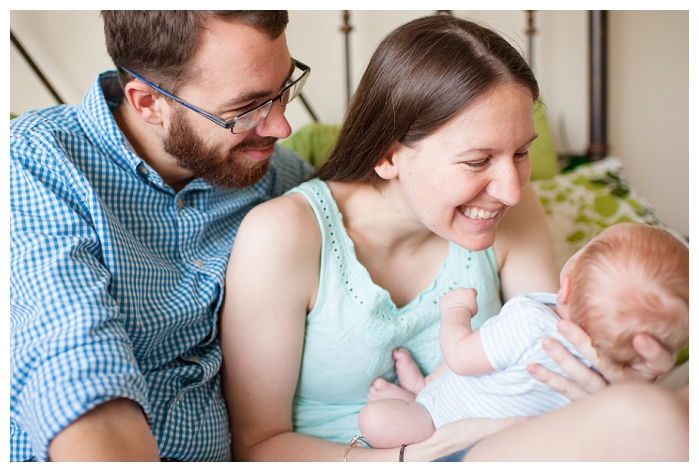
160,44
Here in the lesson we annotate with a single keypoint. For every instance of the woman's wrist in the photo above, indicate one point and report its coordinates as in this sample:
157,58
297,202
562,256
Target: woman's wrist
358,450
356,441
428,450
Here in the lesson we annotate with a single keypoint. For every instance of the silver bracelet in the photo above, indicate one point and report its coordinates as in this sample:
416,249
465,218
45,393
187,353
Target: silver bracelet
401,453
355,441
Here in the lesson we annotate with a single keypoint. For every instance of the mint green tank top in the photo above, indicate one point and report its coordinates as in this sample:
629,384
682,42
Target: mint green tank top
354,325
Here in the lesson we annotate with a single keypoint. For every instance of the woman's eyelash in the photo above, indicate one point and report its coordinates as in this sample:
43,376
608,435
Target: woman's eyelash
477,163
484,162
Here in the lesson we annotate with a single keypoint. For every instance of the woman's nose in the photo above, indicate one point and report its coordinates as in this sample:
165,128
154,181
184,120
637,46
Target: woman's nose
506,184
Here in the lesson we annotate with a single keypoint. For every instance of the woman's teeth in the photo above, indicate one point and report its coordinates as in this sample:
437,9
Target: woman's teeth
479,214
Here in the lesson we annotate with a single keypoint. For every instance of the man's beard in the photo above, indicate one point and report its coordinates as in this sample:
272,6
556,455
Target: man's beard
217,167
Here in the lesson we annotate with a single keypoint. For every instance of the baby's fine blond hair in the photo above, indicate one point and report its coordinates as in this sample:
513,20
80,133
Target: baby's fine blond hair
631,279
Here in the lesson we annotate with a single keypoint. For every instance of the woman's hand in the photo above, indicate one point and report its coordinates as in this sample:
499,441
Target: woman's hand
655,360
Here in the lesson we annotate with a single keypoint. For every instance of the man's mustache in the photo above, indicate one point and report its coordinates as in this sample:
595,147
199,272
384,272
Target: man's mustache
256,145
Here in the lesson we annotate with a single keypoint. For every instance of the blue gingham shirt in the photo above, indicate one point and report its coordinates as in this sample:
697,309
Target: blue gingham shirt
116,280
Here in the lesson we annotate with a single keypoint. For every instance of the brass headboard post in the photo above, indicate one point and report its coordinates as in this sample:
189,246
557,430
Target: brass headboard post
598,85
346,28
530,37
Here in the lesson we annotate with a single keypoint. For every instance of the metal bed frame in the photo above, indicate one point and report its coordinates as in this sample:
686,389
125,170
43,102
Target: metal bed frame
598,146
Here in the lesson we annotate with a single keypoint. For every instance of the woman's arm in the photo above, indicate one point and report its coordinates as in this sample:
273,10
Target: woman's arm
270,284
524,249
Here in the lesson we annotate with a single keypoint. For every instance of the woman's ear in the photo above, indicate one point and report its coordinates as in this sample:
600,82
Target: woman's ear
386,168
144,101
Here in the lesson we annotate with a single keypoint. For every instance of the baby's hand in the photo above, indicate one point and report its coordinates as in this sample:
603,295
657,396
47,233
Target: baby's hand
460,299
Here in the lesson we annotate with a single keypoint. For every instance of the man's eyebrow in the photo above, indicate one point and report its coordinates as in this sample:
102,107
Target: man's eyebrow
250,96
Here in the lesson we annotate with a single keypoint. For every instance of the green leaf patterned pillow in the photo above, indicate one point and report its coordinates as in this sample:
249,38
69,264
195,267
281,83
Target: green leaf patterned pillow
579,204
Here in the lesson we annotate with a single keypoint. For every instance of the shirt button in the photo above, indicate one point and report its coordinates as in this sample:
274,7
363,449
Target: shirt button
180,204
199,263
142,170
180,397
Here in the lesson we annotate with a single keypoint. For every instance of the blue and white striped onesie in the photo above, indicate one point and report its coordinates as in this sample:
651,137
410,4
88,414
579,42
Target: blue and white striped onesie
511,341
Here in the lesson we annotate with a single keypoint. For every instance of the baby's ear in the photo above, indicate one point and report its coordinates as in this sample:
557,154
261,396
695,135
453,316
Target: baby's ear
564,293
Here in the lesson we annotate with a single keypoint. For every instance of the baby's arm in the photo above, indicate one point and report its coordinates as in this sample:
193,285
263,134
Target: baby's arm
393,422
461,346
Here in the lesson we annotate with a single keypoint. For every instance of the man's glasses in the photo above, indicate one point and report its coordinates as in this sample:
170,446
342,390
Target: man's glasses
249,119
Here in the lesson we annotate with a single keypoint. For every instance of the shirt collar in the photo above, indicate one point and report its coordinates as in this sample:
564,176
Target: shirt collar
95,116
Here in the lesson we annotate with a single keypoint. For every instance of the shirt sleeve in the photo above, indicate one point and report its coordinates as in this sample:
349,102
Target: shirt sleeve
521,325
69,349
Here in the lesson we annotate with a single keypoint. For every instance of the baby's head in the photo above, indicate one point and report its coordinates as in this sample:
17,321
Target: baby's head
630,279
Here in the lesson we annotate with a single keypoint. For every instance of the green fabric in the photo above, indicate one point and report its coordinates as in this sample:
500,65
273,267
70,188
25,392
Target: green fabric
313,142
544,159
575,161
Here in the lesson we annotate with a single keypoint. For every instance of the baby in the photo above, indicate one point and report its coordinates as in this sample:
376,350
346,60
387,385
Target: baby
630,279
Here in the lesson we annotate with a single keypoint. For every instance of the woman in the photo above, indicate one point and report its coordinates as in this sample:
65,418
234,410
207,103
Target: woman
417,198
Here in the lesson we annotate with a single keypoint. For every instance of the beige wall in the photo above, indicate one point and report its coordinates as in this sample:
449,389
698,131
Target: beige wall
649,107
649,78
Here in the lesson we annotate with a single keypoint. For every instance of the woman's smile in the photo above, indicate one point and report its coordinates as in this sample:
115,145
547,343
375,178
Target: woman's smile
478,213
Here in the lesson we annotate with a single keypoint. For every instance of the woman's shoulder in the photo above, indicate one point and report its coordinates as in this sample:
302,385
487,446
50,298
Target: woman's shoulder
287,220
280,237
278,243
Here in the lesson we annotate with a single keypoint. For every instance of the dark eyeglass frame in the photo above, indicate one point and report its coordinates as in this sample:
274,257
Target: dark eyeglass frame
262,109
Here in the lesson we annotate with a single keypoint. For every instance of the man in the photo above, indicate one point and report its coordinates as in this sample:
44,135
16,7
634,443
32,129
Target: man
123,213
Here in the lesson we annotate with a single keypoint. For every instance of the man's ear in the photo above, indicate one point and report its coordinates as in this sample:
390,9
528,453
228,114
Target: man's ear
386,168
564,293
144,101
